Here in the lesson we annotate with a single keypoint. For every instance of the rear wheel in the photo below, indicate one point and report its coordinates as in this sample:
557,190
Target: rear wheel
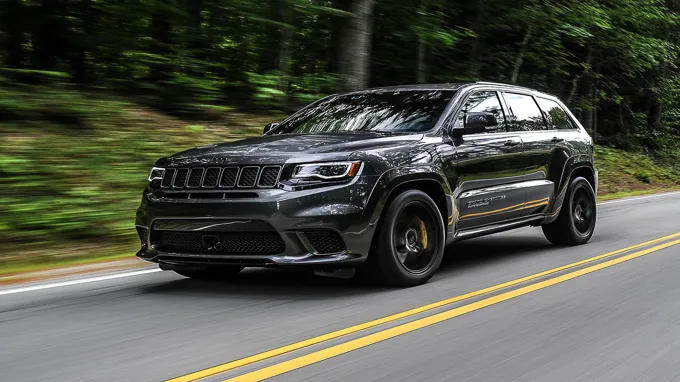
409,244
576,222
211,274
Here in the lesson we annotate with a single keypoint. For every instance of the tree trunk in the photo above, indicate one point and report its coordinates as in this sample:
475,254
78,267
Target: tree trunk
338,28
477,49
357,46
587,119
270,51
422,48
595,100
48,37
575,80
161,30
520,55
655,112
79,63
285,50
13,26
421,68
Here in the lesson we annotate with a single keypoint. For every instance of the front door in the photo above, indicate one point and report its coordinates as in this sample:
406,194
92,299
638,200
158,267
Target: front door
488,169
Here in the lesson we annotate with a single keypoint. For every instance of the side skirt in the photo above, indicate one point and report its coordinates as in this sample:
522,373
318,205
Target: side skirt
500,227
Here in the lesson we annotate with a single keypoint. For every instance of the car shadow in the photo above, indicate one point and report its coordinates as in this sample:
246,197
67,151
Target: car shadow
266,283
477,252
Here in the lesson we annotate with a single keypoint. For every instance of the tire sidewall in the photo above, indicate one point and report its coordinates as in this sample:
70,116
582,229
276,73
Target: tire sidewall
389,262
576,184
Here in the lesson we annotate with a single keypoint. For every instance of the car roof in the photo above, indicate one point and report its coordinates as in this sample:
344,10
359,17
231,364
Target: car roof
451,86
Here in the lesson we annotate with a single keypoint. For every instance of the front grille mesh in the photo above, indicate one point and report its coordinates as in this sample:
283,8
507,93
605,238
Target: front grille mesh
229,176
233,243
325,241
181,178
212,175
195,177
248,176
168,177
217,177
269,176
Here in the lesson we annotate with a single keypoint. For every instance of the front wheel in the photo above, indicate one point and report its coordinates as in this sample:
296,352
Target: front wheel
576,222
211,274
409,242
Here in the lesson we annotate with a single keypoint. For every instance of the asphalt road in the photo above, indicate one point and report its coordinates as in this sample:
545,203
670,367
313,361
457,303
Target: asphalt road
618,322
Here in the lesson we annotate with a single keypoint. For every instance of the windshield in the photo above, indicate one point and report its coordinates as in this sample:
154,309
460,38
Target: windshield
398,111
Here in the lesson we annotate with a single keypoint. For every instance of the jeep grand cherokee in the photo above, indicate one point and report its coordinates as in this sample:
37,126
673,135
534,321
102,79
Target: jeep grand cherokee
379,180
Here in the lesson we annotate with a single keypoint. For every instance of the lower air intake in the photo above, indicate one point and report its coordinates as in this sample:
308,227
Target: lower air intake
227,243
325,241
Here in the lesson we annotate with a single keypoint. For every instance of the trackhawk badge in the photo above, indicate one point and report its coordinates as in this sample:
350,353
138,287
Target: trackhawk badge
484,202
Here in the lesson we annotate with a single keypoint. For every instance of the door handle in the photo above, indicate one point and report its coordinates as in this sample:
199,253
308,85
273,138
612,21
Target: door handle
557,139
511,142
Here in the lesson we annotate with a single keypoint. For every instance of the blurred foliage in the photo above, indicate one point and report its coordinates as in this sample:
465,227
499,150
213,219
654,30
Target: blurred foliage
73,165
93,91
613,61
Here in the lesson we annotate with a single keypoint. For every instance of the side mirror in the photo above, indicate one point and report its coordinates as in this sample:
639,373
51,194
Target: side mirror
475,122
270,127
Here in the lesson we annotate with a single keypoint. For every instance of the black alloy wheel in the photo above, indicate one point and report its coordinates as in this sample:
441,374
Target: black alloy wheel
409,243
414,226
575,224
584,211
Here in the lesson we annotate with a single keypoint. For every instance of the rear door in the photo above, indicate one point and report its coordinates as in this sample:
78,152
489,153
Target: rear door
527,120
488,167
565,136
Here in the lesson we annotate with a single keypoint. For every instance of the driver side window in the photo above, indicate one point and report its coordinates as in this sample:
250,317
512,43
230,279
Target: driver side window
483,102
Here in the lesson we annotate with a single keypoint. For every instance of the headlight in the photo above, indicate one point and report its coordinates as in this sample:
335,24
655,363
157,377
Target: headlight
324,171
156,174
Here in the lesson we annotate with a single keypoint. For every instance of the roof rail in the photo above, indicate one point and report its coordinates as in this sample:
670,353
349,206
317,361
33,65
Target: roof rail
494,83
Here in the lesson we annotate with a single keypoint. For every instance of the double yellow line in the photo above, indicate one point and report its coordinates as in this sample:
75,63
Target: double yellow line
317,356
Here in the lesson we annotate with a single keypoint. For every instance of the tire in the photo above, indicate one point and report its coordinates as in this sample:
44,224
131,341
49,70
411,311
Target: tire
575,224
409,243
211,274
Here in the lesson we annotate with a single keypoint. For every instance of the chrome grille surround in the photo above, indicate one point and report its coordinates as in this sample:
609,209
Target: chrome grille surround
227,177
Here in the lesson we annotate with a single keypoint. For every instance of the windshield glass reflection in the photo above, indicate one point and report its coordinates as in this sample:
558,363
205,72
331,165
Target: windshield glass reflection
395,111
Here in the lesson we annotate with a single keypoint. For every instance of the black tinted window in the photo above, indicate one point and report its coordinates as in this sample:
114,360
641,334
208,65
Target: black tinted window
526,116
556,116
483,102
400,111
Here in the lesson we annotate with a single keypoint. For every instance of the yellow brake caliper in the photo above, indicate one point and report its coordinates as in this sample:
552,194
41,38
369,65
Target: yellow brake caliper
423,233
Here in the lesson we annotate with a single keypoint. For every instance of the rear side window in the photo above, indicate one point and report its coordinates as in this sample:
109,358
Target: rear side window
525,114
556,116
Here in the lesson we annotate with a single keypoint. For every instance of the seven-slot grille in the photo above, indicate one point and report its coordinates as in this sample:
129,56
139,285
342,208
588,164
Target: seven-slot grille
221,177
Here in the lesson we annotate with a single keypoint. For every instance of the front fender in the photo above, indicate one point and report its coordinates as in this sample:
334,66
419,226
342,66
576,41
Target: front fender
394,178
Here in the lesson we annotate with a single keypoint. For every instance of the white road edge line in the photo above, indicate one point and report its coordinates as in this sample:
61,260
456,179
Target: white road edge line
640,197
76,282
146,271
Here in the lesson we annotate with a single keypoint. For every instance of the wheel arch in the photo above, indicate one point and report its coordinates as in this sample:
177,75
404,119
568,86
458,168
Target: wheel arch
574,169
395,181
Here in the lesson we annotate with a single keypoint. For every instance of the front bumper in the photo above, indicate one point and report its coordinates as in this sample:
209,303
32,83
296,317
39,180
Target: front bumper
289,213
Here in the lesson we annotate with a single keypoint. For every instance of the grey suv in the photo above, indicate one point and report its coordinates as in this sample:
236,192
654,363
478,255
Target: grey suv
380,180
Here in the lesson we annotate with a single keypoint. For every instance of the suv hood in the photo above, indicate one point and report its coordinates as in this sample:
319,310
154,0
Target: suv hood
280,148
